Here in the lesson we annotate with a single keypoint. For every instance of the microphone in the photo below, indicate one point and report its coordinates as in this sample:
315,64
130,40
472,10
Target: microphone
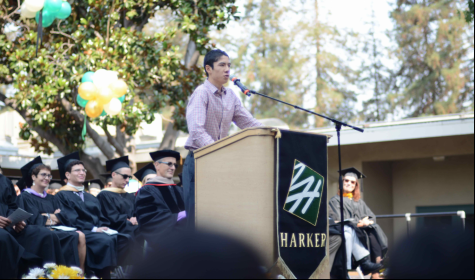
238,83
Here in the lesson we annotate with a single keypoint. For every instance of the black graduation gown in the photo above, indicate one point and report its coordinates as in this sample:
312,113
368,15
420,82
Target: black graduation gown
36,206
157,209
357,210
102,250
117,208
37,242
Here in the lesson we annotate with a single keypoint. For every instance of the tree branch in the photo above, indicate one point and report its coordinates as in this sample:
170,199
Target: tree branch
42,133
118,147
102,144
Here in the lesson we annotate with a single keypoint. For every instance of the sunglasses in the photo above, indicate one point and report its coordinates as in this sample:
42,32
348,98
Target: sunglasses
170,164
124,176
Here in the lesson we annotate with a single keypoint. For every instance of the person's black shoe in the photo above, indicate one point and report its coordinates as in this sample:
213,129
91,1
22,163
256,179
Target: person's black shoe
368,267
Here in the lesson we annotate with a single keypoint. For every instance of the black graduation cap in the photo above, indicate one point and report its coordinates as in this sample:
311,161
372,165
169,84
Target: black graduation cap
165,153
21,184
64,162
147,170
28,169
55,184
108,177
118,163
353,170
95,184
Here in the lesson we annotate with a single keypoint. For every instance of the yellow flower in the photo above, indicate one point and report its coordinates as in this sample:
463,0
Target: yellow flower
63,272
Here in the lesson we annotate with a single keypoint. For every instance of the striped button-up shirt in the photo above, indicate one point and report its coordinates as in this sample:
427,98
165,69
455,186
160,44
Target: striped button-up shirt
209,115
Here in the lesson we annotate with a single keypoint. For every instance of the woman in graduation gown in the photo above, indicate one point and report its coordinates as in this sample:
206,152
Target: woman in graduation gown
116,204
83,211
40,244
363,219
159,203
36,201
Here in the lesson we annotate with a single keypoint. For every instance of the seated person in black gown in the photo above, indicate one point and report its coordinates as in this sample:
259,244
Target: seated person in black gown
83,211
94,187
159,203
363,220
116,204
35,245
36,201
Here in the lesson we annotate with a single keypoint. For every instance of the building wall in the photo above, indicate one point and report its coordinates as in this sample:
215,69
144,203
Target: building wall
378,192
395,168
424,182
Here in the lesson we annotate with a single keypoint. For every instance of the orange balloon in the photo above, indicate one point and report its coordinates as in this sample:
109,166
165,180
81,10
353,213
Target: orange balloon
88,91
94,109
105,96
118,88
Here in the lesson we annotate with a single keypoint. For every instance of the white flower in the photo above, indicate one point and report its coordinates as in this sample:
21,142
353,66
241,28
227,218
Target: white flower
28,277
12,31
93,277
35,273
49,265
77,269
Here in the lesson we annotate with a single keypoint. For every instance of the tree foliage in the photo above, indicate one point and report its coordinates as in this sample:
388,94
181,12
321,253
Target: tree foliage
102,34
435,54
292,60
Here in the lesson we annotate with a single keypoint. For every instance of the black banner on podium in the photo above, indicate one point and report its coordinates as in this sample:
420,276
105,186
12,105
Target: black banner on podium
302,204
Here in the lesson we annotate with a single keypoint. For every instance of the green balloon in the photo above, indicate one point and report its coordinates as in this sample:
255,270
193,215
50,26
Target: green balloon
121,99
103,114
87,77
65,11
48,18
53,5
81,102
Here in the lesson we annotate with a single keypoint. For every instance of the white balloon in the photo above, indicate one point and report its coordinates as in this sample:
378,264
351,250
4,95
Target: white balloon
112,76
25,13
114,107
34,5
100,78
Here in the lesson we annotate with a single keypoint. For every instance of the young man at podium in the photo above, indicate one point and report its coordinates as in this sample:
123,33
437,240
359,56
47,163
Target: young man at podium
209,114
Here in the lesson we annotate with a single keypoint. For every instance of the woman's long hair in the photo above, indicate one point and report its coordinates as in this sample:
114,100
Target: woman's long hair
356,191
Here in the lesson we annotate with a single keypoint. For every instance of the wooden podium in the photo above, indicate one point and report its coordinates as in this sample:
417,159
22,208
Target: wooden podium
236,189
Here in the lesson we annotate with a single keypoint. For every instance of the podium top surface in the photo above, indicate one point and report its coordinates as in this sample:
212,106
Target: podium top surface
248,132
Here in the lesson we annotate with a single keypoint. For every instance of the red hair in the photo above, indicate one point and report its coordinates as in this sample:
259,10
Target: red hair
356,192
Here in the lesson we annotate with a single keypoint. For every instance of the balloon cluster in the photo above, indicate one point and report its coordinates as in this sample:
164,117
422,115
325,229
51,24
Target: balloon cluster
52,9
101,93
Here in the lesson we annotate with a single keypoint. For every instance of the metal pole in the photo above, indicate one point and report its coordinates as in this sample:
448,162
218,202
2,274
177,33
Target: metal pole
342,213
463,216
408,220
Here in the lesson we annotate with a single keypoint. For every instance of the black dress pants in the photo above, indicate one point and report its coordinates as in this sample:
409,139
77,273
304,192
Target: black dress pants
374,246
189,189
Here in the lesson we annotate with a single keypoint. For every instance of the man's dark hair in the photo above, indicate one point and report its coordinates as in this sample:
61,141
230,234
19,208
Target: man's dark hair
40,167
69,167
212,57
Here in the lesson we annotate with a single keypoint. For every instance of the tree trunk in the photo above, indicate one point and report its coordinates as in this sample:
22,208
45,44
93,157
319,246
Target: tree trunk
169,139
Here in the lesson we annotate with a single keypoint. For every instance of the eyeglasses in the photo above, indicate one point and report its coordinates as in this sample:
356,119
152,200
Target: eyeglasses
352,182
80,170
47,176
170,164
124,176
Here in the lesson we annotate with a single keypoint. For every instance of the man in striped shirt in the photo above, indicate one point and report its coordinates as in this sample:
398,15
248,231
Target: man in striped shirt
209,114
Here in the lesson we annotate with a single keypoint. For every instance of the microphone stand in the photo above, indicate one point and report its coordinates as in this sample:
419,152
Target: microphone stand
338,126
